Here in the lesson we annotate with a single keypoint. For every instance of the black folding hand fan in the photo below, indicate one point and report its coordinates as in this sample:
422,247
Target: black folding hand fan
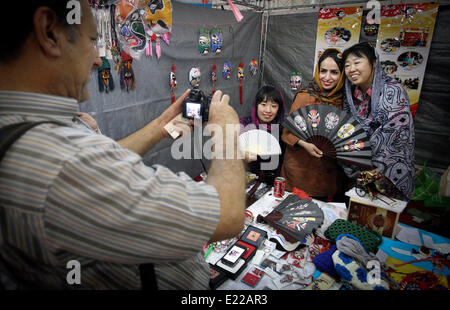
335,132
295,218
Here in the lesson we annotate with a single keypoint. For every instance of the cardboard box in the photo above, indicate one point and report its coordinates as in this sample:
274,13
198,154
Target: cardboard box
380,214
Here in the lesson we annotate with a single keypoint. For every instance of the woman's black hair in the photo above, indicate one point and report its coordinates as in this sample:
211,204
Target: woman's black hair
363,49
335,54
270,92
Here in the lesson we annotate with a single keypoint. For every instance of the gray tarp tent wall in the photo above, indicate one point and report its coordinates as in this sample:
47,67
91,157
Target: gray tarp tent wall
290,46
119,113
287,44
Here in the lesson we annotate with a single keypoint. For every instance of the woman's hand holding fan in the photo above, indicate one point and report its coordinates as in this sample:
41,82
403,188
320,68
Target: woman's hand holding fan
310,148
250,156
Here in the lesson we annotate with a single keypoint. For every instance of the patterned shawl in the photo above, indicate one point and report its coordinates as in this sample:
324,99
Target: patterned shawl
391,130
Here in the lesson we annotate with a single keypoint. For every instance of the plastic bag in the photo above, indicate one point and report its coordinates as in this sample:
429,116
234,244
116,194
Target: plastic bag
427,184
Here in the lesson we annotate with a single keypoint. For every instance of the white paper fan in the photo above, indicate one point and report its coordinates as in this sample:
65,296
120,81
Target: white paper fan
259,142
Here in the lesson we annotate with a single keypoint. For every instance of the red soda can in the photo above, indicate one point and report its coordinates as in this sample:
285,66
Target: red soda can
279,187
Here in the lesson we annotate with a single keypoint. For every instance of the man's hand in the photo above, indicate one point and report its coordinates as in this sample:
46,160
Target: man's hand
223,126
311,149
220,112
171,112
145,138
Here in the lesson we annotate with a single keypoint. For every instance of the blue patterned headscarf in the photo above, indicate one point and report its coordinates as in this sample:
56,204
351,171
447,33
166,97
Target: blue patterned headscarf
391,129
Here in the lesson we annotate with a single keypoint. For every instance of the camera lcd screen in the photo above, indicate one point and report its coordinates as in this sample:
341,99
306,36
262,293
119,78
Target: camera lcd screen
193,110
232,256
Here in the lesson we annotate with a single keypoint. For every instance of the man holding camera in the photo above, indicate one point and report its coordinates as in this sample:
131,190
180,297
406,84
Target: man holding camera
68,194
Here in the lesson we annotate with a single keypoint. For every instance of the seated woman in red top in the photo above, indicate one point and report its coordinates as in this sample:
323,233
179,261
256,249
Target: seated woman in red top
267,114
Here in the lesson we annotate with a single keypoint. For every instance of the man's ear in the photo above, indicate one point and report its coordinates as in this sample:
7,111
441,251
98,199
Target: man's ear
48,30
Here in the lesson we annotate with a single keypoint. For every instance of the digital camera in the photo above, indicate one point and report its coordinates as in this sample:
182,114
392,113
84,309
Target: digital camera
196,105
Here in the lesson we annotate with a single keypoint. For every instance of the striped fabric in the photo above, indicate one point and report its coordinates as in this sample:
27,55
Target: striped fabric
67,193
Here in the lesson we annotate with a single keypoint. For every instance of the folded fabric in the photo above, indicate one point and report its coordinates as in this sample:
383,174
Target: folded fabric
349,270
324,262
368,238
351,246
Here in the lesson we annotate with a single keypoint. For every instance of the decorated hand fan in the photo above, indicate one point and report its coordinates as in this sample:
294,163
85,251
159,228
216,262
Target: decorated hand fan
295,218
335,132
259,142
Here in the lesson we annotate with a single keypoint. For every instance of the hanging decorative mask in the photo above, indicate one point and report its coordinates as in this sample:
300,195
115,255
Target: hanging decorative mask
130,28
296,81
126,72
204,41
253,67
105,80
194,77
226,71
216,40
157,15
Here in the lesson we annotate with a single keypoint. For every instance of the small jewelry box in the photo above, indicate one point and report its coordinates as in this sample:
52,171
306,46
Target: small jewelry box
253,277
254,236
250,250
216,277
232,272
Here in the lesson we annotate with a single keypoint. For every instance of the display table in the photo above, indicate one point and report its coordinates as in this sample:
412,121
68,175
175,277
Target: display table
263,206
294,270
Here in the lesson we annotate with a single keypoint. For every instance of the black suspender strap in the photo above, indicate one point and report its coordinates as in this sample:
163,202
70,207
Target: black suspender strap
10,133
148,277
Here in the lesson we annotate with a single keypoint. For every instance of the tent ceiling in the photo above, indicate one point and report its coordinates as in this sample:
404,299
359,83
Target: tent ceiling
295,5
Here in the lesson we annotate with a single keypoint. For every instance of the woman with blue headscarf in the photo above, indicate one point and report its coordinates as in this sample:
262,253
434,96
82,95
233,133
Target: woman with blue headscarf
382,107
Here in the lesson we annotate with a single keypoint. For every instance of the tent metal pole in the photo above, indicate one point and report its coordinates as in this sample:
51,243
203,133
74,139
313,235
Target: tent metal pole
262,46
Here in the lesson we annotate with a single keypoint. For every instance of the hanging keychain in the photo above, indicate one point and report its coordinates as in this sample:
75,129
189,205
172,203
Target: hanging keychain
214,76
226,71
126,72
105,80
173,80
194,77
240,73
158,49
253,67
115,50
